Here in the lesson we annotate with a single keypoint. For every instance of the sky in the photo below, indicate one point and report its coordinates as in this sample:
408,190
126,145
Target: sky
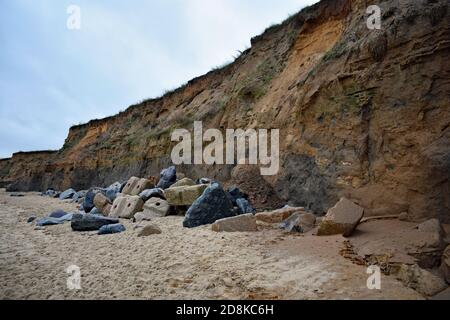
52,77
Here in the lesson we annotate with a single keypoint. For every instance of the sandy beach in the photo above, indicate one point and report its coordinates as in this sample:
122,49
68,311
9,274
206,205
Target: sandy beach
180,263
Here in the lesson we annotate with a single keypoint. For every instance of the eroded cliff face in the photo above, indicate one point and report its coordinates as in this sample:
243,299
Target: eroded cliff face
361,113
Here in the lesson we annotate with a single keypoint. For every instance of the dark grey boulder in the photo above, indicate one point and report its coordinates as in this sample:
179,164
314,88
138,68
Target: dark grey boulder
111,229
79,195
112,191
95,211
50,221
213,205
245,206
68,194
88,203
90,222
17,195
57,214
167,178
152,193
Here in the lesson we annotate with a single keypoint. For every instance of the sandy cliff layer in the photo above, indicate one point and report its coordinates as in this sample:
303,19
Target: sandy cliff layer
361,113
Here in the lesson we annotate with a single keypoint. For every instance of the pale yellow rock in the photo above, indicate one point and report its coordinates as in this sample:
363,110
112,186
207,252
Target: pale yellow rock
184,196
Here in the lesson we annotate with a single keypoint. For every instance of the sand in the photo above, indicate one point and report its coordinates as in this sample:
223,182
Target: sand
177,264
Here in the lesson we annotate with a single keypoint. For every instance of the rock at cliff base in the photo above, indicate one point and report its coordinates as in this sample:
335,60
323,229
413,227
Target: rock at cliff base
420,280
278,216
241,223
136,185
149,230
213,205
126,207
184,196
236,194
185,182
112,191
244,206
155,207
167,178
31,219
432,225
299,222
79,195
343,219
111,229
88,203
68,194
445,264
89,222
152,193
102,203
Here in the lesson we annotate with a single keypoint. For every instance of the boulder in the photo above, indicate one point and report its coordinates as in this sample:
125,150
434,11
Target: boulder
50,221
184,183
136,185
90,222
167,178
445,264
126,207
420,280
95,211
57,214
79,195
149,230
241,223
244,206
184,196
152,193
343,219
88,203
68,194
50,193
112,191
156,207
301,223
102,203
278,216
432,225
111,229
211,206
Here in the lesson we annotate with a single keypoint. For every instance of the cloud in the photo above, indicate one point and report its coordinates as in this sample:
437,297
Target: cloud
51,77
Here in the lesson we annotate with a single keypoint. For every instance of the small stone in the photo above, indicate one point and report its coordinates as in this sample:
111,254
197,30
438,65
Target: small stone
31,219
403,216
149,230
68,194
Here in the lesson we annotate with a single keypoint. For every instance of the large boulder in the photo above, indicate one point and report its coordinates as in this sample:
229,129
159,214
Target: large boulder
445,264
241,223
111,229
343,219
102,203
185,182
112,191
136,185
126,207
68,194
152,193
167,178
184,196
244,206
156,207
278,216
420,280
236,194
213,205
89,222
299,222
88,202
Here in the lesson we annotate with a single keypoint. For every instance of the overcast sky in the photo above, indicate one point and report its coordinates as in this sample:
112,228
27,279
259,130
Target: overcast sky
126,51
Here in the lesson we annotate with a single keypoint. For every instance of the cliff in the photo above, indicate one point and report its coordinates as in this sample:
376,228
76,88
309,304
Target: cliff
361,113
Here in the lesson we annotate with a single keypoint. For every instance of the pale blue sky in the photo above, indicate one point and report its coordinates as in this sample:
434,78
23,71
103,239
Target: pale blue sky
126,51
